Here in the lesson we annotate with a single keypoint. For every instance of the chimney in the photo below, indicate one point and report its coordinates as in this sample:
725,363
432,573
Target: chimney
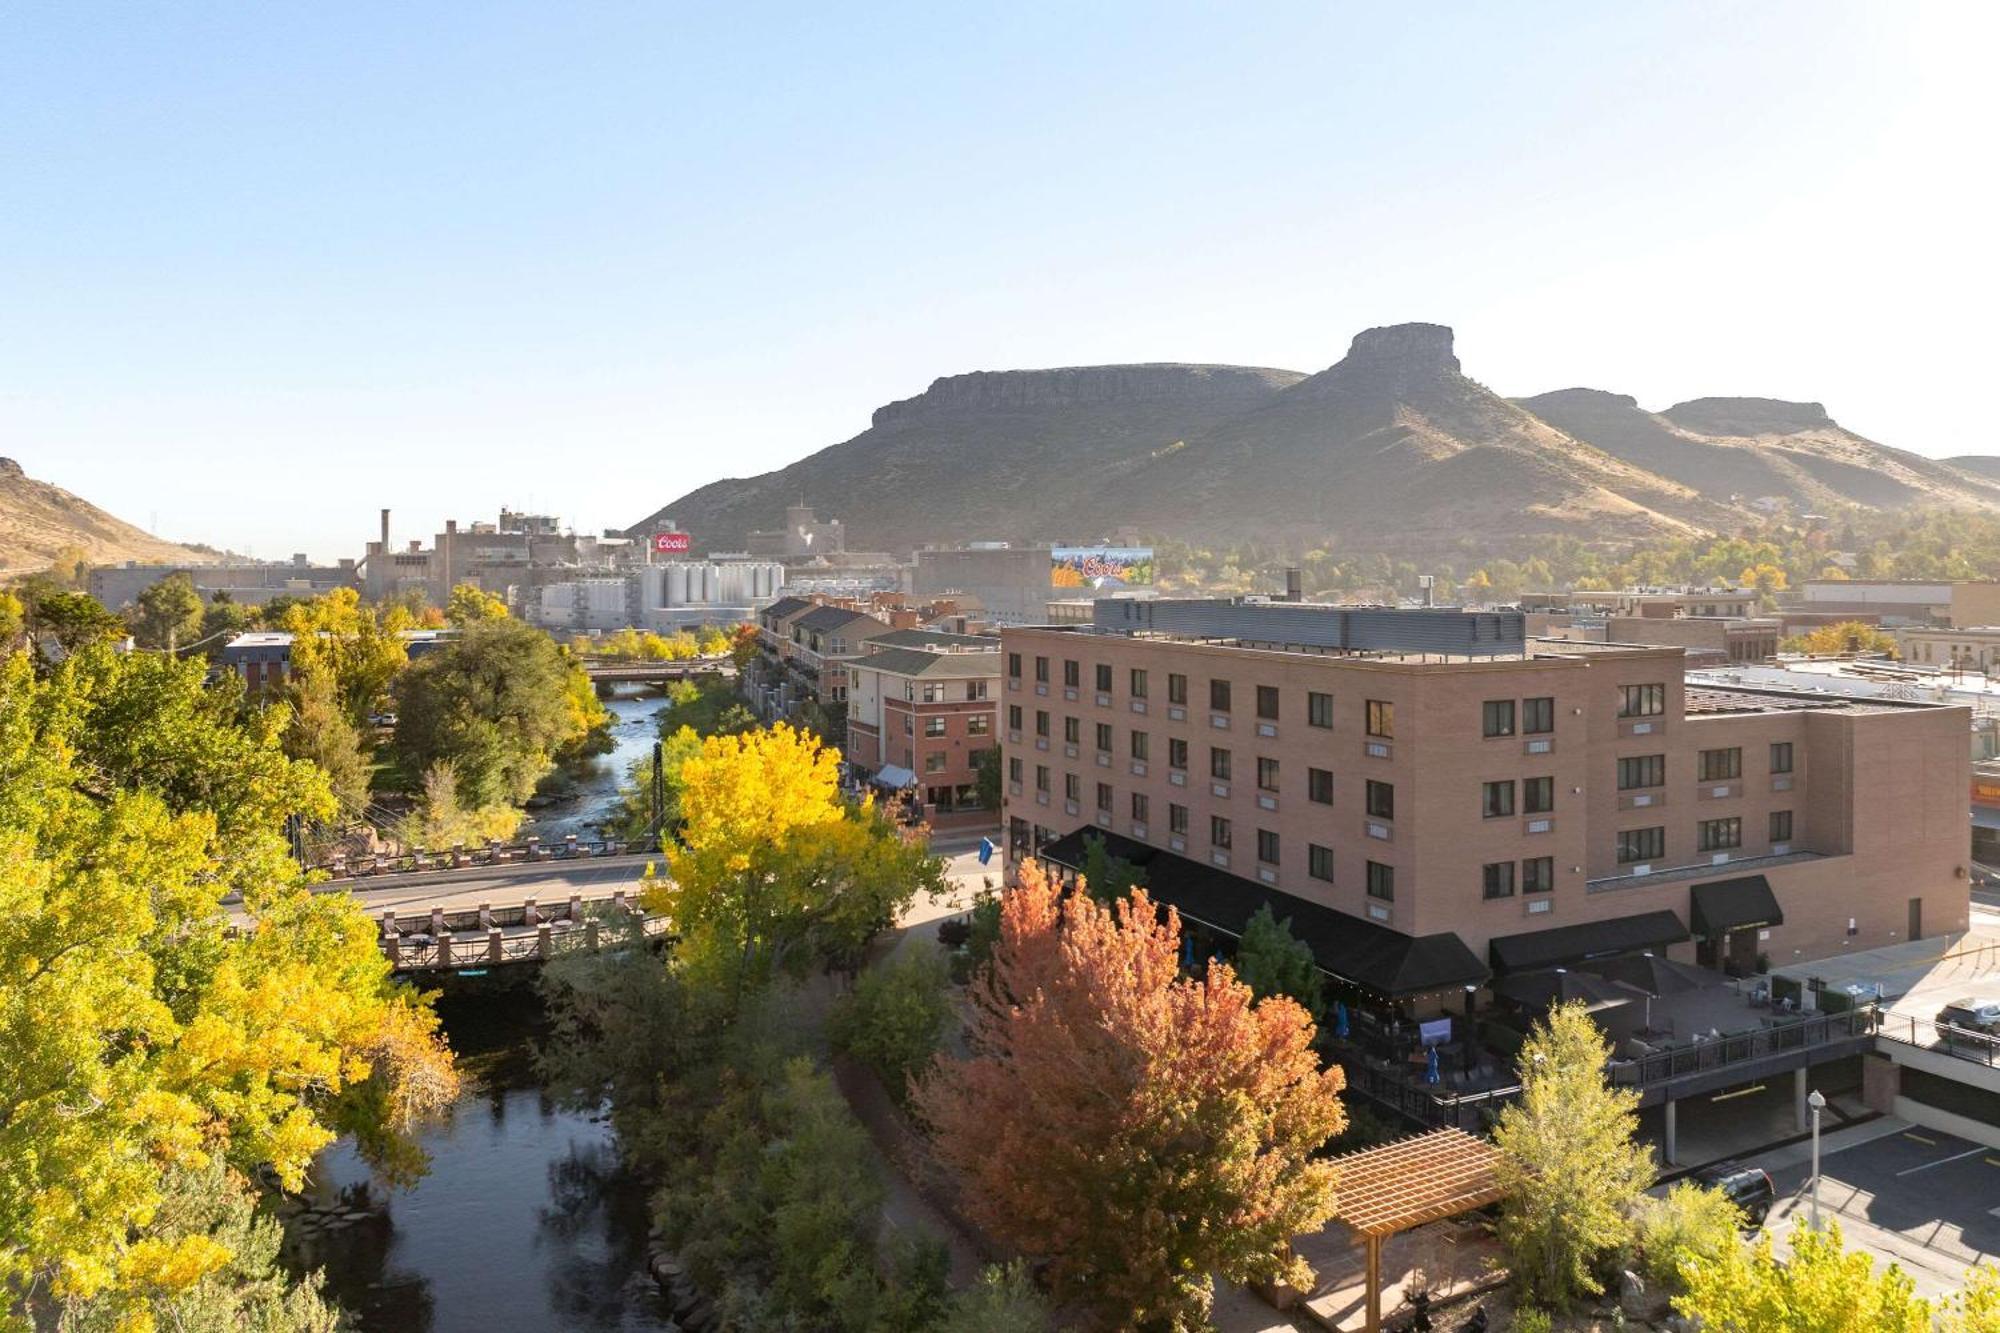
451,525
1294,585
385,529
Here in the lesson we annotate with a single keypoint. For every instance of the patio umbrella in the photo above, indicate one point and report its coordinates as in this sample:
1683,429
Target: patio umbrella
1540,990
1340,1018
1431,1074
1653,974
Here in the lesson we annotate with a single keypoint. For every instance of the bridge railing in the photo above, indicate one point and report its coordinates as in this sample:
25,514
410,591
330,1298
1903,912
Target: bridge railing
1945,1038
461,857
450,940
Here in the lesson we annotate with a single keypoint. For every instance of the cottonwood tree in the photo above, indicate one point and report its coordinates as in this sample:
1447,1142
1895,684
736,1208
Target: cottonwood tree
167,614
1817,1288
1137,1129
1572,1171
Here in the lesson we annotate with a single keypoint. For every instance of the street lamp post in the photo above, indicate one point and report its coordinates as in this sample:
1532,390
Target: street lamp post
1818,1103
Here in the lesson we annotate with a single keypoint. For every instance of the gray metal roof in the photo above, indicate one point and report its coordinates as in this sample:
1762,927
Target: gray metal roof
917,662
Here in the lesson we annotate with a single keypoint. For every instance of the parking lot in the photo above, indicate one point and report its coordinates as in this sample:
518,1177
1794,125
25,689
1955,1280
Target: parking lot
1927,1200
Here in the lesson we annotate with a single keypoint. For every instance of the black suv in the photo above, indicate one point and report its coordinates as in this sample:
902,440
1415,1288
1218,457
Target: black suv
1745,1186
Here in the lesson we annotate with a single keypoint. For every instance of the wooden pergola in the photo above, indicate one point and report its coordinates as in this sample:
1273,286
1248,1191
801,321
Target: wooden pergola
1400,1185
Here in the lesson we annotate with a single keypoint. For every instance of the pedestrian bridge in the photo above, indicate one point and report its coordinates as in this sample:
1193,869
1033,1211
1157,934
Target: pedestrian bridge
525,931
625,670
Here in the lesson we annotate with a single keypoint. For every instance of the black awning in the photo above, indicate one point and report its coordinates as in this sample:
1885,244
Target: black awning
1561,946
1363,953
1723,905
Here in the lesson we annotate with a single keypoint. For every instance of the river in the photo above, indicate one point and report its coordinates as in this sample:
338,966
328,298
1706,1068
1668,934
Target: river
526,1220
594,795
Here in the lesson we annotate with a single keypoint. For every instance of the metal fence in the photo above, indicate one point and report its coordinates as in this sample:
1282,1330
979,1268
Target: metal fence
1944,1038
490,854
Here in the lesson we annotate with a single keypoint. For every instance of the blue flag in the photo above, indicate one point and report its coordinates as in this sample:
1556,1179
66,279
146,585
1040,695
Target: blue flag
985,850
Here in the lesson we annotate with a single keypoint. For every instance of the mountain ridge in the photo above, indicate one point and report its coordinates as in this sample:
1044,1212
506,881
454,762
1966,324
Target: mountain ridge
38,519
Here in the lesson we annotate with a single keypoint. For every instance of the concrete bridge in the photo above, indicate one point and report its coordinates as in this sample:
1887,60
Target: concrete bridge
515,912
621,670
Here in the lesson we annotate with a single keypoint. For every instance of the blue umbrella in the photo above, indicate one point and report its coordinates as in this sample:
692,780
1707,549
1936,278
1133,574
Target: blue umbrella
1340,1018
1431,1065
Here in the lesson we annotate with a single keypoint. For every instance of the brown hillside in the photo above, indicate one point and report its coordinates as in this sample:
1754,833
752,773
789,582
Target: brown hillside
37,520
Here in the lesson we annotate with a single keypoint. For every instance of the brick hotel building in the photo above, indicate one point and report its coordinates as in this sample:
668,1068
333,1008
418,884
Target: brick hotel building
1435,798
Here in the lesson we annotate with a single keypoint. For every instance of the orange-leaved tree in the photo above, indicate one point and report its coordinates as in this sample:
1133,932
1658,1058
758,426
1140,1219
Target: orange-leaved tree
1139,1129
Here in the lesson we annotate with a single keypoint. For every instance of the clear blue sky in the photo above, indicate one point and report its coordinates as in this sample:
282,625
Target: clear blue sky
265,268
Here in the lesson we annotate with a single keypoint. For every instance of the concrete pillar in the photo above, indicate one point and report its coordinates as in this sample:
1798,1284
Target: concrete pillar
542,941
486,916
590,934
575,907
1672,1149
388,923
530,914
437,921
444,950
569,844
1801,1113
618,902
534,847
457,854
392,945
494,945
1881,1083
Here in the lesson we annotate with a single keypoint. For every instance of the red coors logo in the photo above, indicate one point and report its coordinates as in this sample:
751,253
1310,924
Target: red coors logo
673,541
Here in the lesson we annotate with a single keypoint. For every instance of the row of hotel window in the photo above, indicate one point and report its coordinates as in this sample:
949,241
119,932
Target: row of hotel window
1498,717
1711,835
1724,765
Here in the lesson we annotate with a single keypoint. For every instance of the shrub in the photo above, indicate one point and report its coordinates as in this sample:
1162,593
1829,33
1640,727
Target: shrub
1691,1225
1531,1320
1004,1300
894,1021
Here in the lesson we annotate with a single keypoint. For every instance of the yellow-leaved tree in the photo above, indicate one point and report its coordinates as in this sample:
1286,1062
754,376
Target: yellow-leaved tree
142,1041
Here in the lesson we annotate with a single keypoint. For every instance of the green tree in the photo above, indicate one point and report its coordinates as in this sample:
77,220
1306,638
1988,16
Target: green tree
13,621
1569,1165
223,618
317,730
1270,960
1004,1300
167,614
496,704
986,777
894,1019
1818,1288
359,648
441,819
470,603
1111,878
68,622
1691,1225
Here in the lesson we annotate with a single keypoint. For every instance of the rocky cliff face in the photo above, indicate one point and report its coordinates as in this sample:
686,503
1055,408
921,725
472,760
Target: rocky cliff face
1748,416
1395,360
37,520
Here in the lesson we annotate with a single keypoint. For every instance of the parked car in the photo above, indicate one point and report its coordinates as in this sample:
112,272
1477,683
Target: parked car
1745,1186
1977,1021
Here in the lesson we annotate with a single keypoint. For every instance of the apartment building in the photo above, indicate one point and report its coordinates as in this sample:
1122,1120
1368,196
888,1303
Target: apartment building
923,716
1435,798
1897,602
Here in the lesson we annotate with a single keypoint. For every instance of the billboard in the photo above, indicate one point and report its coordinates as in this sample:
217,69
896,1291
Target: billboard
1101,566
673,542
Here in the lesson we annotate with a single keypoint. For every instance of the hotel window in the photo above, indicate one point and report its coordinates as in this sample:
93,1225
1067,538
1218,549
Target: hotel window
1104,737
1719,835
1139,806
1497,879
1538,874
1722,765
1218,763
933,726
1381,798
1013,717
1176,688
909,725
975,690
1176,752
1103,674
1177,821
1496,717
1319,709
933,692
1072,673
978,724
1496,799
1641,844
1267,702
1219,834
1267,774
1267,846
1141,746
1538,716
1042,670
1642,700
934,762
1781,826
1041,721
1218,696
1072,787
1041,777
1381,881
1072,731
1014,665
1781,756
1013,768
1538,795
1319,786
1319,862
1104,797
1381,718
1642,770
1138,682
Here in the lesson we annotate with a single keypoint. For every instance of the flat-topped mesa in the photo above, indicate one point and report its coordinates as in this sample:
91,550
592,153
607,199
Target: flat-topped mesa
1580,399
1090,386
1395,358
1748,416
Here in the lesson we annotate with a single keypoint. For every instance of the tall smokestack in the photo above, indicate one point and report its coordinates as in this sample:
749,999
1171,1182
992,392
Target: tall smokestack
385,529
1294,585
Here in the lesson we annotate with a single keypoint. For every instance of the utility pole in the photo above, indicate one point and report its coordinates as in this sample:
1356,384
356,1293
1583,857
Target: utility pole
1818,1103
659,790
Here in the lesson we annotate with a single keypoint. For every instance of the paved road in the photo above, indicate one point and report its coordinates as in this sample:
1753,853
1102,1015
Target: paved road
547,882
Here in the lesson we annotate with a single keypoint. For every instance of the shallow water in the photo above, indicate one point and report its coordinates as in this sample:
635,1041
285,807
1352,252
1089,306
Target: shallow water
634,728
